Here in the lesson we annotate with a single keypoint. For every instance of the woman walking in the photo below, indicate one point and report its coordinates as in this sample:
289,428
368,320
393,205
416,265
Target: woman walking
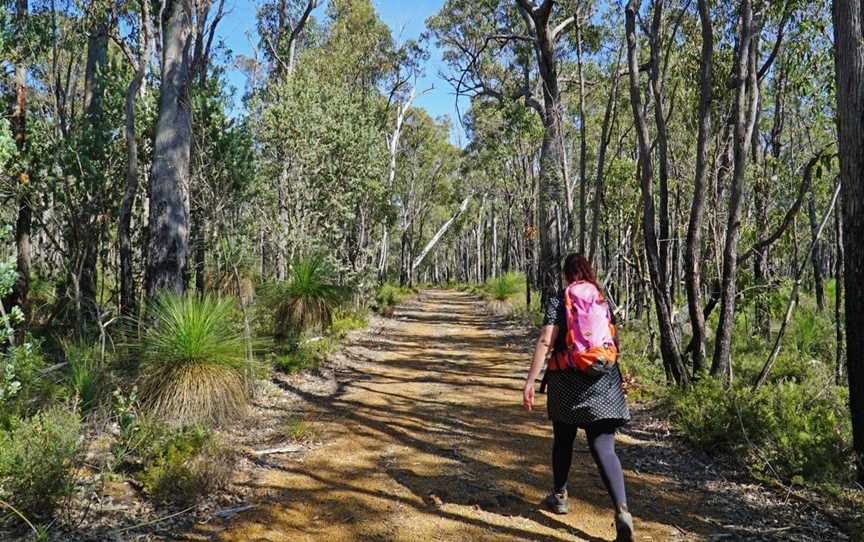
585,386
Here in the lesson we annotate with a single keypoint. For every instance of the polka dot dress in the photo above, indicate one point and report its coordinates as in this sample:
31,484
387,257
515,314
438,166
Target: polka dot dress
579,398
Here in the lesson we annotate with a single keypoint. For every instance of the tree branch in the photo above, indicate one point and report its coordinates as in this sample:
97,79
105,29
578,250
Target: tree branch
803,188
563,27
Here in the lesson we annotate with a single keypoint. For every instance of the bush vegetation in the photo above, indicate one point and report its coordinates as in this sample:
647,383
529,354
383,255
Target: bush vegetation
21,388
181,466
307,300
390,295
194,362
37,456
795,428
303,355
505,287
87,372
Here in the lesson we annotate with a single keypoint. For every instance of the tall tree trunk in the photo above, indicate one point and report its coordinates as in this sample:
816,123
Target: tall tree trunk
693,250
128,291
583,140
85,228
169,178
656,83
744,112
816,254
849,65
668,343
838,295
393,147
24,219
551,155
609,117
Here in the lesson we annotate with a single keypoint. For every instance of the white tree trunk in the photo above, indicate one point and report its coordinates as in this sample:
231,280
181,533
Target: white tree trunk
439,234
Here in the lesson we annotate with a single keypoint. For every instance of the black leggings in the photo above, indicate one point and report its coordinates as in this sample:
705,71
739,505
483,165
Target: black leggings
601,442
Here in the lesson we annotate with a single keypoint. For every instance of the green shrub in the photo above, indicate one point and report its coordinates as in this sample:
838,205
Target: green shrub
307,300
87,377
787,429
303,355
193,361
179,467
21,388
388,296
37,456
345,321
505,286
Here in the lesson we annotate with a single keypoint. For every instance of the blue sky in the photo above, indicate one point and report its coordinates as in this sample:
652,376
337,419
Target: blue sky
237,30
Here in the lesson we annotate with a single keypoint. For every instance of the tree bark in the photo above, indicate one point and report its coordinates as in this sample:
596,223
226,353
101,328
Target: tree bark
393,148
169,177
849,67
537,19
128,291
24,219
668,344
744,111
609,117
583,141
816,253
662,142
693,250
838,296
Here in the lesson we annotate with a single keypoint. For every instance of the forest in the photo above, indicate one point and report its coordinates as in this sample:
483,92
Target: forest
170,245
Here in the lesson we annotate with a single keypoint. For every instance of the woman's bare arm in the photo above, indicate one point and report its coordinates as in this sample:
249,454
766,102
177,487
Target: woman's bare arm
541,350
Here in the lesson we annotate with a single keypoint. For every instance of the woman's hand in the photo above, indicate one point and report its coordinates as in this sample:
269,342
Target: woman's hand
528,396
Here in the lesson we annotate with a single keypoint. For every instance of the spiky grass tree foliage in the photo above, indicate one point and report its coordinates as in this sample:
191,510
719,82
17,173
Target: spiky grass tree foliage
307,300
194,366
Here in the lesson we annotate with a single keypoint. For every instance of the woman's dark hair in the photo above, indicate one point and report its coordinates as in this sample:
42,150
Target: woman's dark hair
576,267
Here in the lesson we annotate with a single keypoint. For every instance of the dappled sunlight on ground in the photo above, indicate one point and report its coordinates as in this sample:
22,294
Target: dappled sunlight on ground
426,440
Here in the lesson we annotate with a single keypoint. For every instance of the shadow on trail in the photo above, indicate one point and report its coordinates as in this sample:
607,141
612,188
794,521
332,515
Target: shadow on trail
455,442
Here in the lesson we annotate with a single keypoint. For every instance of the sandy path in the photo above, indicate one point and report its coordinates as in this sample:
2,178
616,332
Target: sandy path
425,440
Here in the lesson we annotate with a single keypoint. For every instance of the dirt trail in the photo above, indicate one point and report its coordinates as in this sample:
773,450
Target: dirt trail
425,439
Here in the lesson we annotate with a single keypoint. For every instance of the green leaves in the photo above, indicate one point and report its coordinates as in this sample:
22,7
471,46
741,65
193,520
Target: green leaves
323,153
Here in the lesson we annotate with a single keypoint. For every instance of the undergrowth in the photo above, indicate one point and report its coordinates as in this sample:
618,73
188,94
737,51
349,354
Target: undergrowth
390,295
794,429
37,456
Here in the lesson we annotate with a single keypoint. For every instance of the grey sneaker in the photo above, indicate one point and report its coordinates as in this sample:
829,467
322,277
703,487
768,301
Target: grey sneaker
557,502
623,527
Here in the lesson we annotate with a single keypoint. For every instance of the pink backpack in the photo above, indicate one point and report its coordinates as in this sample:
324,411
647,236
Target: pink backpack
591,345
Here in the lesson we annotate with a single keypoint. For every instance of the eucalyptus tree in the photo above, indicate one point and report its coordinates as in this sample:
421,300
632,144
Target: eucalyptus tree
183,22
23,195
488,59
142,24
282,25
427,166
849,64
321,144
693,250
669,347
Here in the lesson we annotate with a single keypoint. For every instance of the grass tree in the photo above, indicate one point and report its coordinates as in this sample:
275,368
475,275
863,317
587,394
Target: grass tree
194,364
308,299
